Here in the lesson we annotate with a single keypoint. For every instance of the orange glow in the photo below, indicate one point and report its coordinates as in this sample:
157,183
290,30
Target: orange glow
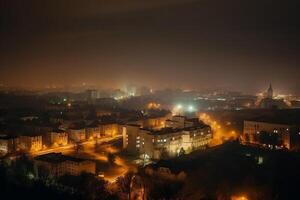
239,198
219,133
153,105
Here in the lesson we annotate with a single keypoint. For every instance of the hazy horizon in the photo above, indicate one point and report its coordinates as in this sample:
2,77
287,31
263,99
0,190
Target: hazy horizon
195,44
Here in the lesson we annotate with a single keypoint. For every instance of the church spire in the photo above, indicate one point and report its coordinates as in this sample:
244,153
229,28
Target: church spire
270,92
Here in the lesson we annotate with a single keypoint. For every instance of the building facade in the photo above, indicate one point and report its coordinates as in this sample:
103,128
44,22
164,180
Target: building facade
58,164
8,145
179,138
77,135
93,132
110,129
56,138
31,143
272,135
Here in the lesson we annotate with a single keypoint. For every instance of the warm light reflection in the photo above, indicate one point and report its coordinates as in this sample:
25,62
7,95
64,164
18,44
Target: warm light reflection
153,105
220,134
239,198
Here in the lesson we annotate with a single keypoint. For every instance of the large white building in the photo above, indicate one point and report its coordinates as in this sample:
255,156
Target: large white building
181,135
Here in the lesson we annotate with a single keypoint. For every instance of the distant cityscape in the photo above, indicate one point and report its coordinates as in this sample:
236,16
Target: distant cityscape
115,134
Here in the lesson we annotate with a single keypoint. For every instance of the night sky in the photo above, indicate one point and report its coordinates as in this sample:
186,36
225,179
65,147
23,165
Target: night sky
191,44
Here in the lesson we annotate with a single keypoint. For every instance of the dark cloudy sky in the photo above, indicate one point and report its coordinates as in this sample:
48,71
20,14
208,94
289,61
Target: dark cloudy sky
238,44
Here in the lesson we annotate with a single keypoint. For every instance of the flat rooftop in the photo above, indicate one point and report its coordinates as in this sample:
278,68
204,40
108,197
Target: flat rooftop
170,130
58,158
7,137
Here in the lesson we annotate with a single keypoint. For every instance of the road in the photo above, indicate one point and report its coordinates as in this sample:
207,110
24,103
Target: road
71,147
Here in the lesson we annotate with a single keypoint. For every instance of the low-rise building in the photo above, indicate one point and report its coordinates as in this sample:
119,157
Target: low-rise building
270,134
31,143
56,138
58,164
8,144
179,121
110,129
93,131
77,134
154,122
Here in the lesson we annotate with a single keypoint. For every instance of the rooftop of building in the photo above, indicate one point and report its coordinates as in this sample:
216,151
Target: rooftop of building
58,158
169,130
135,125
7,137
58,131
77,125
269,121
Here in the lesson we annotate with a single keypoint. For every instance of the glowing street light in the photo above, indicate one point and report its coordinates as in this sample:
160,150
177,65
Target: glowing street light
179,106
191,108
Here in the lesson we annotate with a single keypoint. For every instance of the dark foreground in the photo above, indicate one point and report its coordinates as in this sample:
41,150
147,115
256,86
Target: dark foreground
224,172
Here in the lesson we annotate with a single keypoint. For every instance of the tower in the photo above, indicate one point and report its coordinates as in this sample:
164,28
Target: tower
270,92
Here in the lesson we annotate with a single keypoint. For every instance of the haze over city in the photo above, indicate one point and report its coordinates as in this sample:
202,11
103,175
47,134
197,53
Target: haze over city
149,99
192,44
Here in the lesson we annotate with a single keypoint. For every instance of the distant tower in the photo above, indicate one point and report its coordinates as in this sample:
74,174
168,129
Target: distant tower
270,92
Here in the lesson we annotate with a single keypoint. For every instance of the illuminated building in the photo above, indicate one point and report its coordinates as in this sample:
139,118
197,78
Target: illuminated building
167,142
58,164
271,135
130,137
8,144
156,121
153,106
93,131
77,134
170,142
102,112
31,143
56,138
179,121
110,129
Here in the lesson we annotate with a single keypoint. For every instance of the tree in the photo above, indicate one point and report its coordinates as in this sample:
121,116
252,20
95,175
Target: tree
87,186
181,152
124,183
269,138
161,188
